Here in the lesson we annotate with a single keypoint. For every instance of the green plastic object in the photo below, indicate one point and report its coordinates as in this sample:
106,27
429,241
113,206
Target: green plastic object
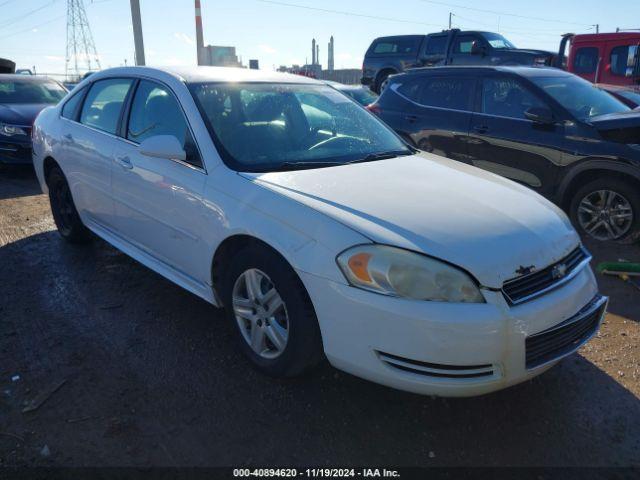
615,268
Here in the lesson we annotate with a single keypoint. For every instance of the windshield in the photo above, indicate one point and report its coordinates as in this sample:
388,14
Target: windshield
629,95
580,97
30,91
363,96
260,127
497,41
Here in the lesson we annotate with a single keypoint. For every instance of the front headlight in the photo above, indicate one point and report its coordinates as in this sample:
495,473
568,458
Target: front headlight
402,273
11,130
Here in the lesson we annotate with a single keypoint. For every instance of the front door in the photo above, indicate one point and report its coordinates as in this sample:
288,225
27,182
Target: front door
158,202
504,141
461,51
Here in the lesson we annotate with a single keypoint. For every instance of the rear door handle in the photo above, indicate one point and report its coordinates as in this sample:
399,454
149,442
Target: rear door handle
411,118
124,161
481,128
68,136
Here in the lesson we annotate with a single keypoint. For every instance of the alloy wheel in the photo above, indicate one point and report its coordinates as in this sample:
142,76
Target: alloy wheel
605,215
261,313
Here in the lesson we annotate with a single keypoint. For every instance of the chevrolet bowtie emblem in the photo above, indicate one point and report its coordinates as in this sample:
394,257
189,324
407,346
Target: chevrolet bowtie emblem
559,271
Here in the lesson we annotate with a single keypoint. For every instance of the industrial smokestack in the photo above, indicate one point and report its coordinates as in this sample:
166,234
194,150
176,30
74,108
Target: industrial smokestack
313,51
199,37
331,58
318,54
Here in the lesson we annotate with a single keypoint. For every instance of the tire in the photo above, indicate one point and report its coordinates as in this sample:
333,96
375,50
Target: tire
381,81
64,210
302,349
607,209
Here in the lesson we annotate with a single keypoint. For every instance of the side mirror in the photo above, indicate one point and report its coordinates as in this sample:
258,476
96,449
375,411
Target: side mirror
163,146
540,115
477,49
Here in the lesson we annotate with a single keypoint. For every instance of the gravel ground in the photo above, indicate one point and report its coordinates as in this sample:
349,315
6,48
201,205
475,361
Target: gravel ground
148,375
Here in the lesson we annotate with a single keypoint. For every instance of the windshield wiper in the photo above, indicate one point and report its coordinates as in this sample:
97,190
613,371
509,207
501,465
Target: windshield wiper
372,157
288,166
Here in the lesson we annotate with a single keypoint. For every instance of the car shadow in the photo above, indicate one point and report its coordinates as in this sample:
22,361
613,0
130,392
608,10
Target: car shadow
624,297
18,181
154,377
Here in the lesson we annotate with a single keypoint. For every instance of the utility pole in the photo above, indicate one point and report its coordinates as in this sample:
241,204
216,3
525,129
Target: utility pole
137,31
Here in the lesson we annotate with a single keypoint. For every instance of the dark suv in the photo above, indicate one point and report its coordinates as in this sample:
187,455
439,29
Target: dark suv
547,129
390,55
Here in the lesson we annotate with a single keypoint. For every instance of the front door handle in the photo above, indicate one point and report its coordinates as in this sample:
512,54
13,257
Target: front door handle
411,118
68,136
124,161
481,128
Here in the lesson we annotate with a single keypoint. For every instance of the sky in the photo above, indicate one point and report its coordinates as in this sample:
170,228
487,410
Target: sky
279,32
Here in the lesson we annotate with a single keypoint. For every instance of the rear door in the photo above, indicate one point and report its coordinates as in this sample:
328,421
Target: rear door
504,141
438,112
158,201
87,142
434,51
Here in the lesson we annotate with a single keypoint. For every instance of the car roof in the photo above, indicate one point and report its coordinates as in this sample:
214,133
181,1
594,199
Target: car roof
522,71
208,74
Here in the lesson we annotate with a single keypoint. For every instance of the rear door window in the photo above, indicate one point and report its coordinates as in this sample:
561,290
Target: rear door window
507,97
586,60
455,93
622,60
436,45
103,104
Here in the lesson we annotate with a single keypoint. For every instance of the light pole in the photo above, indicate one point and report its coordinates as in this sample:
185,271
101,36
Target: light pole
137,31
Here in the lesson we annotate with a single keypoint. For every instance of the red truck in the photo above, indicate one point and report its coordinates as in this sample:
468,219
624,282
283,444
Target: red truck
604,58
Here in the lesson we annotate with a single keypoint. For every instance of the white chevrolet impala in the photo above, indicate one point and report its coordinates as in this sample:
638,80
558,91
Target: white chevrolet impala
318,229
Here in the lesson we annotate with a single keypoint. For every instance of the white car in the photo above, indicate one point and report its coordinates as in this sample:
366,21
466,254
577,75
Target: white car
318,229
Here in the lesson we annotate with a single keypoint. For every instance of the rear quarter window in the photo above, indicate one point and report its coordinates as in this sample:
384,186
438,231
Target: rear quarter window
395,46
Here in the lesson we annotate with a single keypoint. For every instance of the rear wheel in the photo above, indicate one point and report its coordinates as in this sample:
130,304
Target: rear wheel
607,209
64,210
382,81
271,311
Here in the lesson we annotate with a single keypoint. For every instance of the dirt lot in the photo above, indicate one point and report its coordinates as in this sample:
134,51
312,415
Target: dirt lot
152,377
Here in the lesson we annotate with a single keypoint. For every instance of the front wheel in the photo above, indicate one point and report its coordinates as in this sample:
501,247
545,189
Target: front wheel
64,211
271,312
607,209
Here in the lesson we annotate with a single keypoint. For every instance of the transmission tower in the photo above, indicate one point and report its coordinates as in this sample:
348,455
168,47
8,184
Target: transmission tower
80,46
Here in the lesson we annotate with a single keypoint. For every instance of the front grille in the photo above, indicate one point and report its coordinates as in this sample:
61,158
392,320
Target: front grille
565,338
15,152
457,372
527,287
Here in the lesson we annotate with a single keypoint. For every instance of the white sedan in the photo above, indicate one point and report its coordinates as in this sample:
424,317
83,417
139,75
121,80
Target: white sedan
318,229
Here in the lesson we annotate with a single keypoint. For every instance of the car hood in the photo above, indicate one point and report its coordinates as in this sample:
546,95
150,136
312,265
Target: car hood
20,113
616,120
483,223
528,51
